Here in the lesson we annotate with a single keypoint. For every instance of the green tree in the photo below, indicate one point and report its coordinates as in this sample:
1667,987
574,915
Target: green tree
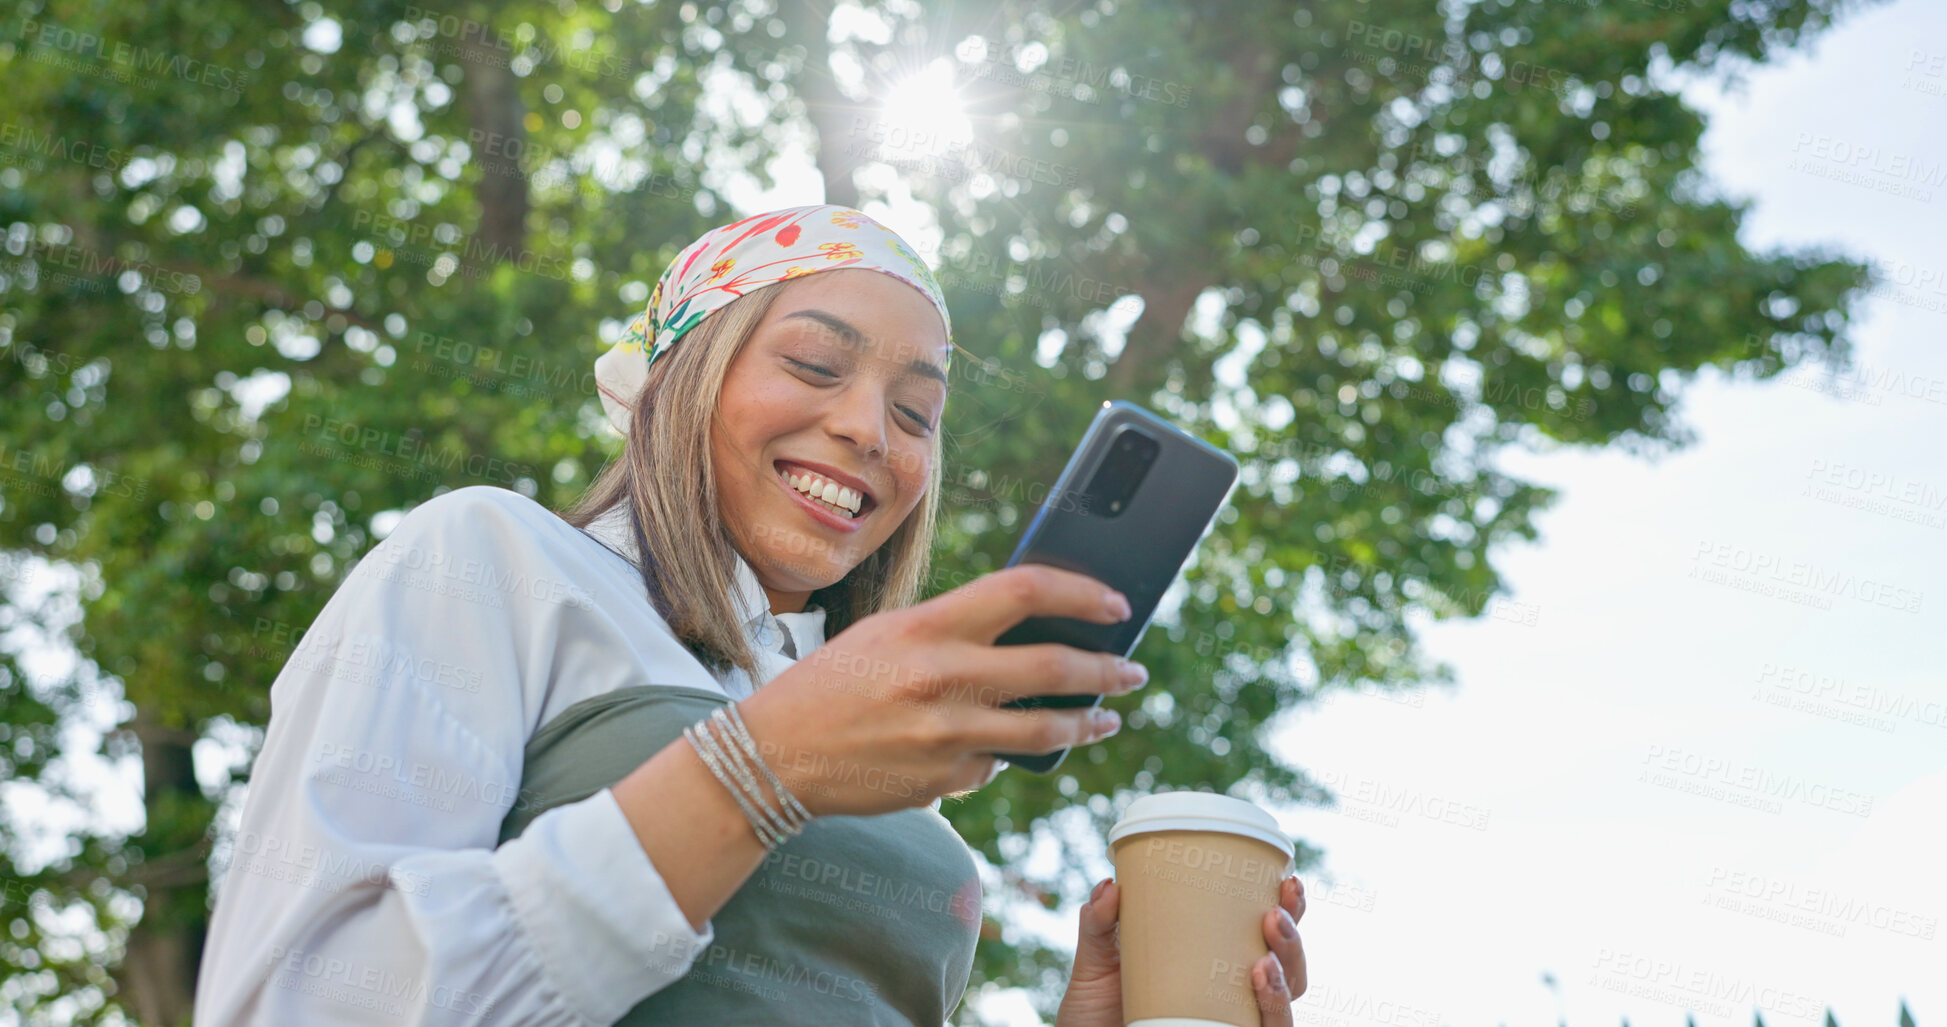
276,272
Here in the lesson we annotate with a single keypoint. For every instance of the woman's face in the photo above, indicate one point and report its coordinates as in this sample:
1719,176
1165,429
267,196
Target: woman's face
840,386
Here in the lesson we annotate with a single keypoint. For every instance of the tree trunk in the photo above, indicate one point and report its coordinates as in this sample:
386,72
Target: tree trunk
495,121
158,973
831,114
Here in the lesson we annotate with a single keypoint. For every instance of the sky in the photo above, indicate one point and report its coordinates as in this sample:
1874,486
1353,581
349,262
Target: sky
1700,753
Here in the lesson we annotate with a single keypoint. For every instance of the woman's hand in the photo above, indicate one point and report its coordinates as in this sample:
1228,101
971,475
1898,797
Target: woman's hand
903,706
1094,996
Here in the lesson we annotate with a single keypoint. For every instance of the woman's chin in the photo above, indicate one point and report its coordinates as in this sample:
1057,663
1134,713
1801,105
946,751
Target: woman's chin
793,573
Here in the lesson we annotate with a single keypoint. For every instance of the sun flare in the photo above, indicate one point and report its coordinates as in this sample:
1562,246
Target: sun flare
923,112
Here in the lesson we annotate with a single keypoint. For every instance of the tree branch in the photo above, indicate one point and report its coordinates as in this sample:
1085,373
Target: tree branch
825,105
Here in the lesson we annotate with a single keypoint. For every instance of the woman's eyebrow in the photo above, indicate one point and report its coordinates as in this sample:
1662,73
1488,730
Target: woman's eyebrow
856,339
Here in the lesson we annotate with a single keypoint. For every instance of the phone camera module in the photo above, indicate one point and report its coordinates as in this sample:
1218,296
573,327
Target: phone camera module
1125,467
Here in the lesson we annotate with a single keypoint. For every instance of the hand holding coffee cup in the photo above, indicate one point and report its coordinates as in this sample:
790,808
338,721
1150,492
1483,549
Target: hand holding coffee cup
1198,928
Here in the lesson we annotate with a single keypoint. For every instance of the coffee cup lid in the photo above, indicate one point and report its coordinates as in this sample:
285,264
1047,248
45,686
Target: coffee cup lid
1199,811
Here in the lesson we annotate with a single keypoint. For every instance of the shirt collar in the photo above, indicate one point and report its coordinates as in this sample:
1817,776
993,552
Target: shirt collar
611,528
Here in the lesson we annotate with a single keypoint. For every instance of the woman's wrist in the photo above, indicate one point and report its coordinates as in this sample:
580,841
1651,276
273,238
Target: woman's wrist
791,764
691,829
727,749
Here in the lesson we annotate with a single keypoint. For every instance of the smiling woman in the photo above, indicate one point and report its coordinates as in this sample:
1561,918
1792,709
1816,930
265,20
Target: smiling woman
837,369
826,401
663,796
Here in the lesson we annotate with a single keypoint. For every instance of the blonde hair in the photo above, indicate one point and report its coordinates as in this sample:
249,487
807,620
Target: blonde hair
665,475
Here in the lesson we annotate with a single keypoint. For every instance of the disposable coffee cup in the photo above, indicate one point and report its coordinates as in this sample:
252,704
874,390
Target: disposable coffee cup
1197,871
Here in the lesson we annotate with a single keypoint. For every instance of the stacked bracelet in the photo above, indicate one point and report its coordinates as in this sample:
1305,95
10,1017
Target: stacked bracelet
773,826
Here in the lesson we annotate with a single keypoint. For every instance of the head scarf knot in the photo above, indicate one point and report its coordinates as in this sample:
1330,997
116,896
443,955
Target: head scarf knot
733,260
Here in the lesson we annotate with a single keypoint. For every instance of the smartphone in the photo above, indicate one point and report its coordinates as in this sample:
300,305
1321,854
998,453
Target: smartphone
1128,510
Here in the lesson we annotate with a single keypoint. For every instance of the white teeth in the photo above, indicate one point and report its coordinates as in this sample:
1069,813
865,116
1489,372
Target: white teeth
842,497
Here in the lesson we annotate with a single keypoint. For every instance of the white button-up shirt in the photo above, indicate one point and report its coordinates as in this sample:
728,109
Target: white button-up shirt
363,885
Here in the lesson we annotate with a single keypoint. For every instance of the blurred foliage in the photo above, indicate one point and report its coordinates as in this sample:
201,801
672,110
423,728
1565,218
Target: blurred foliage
275,270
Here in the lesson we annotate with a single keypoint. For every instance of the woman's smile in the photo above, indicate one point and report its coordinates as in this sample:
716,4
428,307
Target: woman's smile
837,510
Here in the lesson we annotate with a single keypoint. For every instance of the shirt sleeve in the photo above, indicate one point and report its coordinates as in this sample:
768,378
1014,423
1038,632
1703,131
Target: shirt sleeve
364,885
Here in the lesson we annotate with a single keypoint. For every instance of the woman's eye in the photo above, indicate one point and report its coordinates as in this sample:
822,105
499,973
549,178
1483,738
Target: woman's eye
919,419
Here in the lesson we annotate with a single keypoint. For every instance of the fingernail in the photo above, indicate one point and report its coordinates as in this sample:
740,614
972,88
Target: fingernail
1274,975
1133,673
1118,606
1287,926
1107,722
1097,893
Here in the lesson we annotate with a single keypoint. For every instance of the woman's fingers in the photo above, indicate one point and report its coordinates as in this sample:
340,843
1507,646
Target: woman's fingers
984,608
1096,953
1294,960
1273,994
1281,935
1009,672
1034,732
1095,984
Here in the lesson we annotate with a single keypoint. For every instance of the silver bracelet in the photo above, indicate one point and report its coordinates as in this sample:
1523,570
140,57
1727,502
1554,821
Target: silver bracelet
797,814
785,823
780,825
705,747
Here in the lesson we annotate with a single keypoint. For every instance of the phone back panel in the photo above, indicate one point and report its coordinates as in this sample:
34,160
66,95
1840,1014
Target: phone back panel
1139,551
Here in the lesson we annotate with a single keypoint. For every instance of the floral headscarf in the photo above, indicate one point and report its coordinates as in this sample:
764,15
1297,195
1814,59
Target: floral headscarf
730,261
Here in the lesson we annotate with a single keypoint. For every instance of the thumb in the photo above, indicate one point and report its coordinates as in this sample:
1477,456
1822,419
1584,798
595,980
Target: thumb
1096,953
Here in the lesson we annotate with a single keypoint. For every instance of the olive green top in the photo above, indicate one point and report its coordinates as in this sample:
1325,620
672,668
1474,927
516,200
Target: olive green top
858,920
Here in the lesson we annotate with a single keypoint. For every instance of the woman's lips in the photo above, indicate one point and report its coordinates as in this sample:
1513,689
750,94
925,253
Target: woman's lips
824,516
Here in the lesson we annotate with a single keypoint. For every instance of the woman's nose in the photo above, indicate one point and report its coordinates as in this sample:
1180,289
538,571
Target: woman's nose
860,418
